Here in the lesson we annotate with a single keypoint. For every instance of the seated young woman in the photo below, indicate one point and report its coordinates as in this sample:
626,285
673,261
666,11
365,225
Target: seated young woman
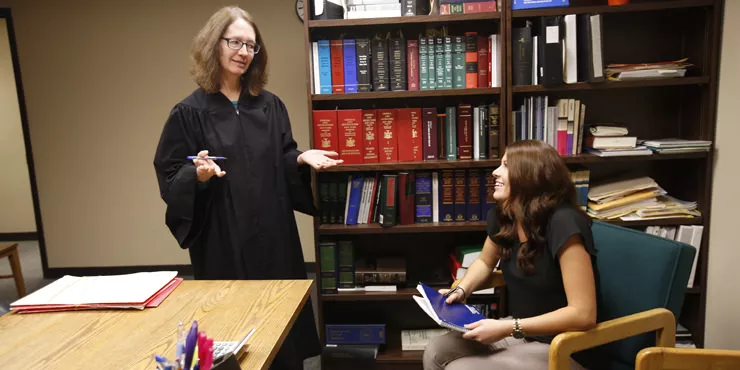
547,256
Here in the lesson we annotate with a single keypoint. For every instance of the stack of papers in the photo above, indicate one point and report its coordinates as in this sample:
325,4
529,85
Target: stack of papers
639,71
452,316
636,199
130,291
677,145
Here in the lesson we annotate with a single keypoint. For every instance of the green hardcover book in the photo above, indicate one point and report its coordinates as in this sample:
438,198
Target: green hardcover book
439,58
448,62
458,62
333,208
346,264
451,133
324,198
328,267
431,64
423,64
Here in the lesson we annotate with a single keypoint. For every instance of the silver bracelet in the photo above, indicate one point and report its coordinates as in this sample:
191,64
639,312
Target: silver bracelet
456,289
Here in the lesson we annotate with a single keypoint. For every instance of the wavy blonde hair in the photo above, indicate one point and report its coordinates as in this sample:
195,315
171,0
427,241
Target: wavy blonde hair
205,53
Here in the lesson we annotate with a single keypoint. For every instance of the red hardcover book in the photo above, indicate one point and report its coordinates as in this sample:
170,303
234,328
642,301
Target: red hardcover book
464,131
489,41
471,60
406,187
350,141
441,152
336,52
325,134
480,7
370,135
412,64
388,142
409,131
429,123
483,76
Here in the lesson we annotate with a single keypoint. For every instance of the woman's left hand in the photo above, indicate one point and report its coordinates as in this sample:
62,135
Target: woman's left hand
488,331
319,159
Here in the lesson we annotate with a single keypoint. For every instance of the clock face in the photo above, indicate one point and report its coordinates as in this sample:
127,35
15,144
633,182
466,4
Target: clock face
299,9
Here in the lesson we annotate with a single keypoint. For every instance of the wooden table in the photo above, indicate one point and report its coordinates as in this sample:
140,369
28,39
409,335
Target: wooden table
126,339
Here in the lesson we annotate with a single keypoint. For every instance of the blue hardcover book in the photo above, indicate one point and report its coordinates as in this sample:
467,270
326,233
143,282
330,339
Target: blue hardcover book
537,4
452,316
350,65
355,333
353,202
324,67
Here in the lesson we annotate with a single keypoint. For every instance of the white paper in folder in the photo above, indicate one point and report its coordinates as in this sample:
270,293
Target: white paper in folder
120,290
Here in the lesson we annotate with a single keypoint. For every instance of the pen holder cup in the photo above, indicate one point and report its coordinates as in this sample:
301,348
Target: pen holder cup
229,362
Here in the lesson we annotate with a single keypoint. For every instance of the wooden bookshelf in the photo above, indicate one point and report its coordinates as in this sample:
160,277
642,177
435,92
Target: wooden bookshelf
420,19
375,95
683,81
627,8
646,30
492,163
456,227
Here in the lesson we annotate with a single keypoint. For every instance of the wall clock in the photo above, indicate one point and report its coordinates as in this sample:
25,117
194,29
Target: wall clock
300,10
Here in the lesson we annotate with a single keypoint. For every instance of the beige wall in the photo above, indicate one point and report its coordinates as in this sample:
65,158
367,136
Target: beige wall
723,298
15,192
100,78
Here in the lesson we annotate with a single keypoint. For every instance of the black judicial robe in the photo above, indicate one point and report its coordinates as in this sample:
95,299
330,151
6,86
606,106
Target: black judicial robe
240,226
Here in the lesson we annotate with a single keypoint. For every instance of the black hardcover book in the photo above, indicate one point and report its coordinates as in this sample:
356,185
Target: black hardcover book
363,65
521,55
380,65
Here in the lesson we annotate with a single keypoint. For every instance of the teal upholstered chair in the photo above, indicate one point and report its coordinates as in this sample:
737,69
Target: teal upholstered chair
642,284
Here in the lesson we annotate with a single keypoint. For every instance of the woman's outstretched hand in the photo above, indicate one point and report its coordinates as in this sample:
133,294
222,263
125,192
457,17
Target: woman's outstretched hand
206,168
319,159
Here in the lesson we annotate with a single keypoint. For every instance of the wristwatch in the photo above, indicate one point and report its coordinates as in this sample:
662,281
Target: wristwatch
518,333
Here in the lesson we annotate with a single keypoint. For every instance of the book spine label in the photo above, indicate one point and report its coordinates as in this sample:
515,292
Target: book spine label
363,65
423,64
464,131
325,75
325,133
423,197
429,136
355,334
412,64
460,196
350,65
350,139
458,62
447,195
370,135
471,60
337,66
389,140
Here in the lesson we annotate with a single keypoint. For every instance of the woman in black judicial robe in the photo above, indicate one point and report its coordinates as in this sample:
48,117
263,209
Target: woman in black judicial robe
235,216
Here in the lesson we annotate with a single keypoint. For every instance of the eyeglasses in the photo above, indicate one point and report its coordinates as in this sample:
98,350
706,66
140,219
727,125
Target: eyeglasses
235,44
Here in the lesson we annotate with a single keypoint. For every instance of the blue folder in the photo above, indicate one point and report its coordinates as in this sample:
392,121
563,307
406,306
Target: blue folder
453,316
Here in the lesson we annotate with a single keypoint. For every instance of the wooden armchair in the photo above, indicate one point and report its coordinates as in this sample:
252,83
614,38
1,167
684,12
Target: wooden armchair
642,284
659,358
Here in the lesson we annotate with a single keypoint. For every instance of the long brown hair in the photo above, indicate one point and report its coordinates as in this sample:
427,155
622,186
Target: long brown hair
539,181
205,53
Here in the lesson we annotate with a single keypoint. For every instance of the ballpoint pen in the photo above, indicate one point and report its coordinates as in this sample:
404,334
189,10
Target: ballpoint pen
213,158
190,345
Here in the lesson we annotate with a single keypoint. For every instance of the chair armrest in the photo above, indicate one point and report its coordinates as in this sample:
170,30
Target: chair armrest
495,280
660,320
656,358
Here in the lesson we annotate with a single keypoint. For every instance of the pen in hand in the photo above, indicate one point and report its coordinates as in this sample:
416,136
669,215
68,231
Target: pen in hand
213,158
